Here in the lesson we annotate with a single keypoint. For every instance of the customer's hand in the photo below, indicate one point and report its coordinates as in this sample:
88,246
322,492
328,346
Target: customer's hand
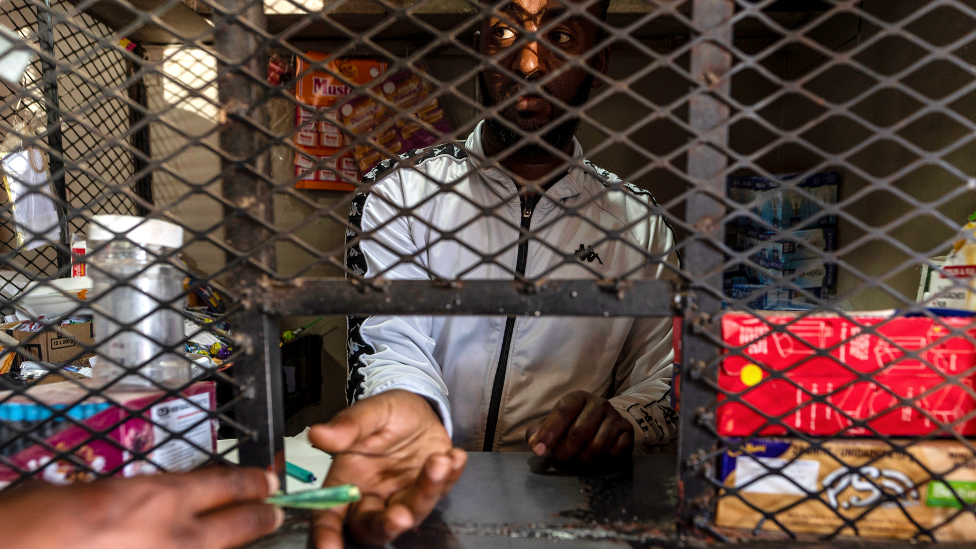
207,509
394,447
582,429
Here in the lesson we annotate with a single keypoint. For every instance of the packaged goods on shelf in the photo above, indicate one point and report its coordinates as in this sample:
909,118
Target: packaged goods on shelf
950,286
766,298
127,431
938,378
69,344
781,208
319,91
803,273
424,123
798,245
317,172
885,491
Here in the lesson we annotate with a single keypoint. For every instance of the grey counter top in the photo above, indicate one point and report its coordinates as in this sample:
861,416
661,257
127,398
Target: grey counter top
500,502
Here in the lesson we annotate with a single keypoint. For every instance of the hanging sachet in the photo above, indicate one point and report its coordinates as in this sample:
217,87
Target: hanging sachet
28,185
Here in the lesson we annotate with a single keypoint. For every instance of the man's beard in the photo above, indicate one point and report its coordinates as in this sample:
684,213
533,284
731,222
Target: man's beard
559,136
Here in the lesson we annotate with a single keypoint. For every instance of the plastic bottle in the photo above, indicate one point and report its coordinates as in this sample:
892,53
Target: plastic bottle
137,303
79,248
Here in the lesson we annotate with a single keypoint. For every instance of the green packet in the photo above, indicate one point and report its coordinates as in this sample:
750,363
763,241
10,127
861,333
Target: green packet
939,494
322,498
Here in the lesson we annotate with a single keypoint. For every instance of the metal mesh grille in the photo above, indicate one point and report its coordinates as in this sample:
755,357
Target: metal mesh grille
759,170
93,122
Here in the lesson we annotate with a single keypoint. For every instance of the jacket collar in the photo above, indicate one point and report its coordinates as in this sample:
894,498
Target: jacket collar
566,187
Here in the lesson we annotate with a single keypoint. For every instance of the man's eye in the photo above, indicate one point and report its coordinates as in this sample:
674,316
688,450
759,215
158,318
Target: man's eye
504,33
560,38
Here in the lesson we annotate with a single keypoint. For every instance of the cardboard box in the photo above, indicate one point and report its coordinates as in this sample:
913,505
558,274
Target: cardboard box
781,208
804,273
125,434
870,484
67,347
807,244
876,400
765,298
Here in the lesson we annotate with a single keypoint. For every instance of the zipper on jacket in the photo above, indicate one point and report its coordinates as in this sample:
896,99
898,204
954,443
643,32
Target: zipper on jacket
528,206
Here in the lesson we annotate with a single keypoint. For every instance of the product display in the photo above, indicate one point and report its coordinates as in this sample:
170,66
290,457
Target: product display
422,123
125,422
887,491
325,161
70,344
950,285
777,372
782,261
781,208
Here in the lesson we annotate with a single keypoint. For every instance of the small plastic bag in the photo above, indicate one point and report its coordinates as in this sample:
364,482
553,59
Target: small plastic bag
27,183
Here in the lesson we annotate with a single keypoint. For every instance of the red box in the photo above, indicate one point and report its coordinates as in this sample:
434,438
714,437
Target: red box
944,354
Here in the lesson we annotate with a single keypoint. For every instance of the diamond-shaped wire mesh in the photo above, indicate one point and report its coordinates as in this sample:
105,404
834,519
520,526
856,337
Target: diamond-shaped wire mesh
791,181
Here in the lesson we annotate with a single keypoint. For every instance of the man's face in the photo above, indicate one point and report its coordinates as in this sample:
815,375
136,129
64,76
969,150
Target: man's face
550,60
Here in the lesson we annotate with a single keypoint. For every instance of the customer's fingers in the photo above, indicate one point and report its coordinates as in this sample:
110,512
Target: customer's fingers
220,486
239,524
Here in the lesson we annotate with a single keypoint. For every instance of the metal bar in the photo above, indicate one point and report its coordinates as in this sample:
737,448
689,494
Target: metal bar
710,60
140,138
259,369
310,296
262,409
52,106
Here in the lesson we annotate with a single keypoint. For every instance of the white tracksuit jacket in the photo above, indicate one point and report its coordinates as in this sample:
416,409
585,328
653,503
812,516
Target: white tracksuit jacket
453,360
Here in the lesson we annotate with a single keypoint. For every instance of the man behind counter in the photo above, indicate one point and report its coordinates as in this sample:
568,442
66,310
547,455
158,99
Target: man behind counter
577,390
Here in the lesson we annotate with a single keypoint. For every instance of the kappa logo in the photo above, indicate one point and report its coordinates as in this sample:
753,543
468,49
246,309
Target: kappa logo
587,254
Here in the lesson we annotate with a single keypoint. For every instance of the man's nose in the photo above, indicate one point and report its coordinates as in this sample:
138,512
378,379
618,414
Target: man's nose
529,63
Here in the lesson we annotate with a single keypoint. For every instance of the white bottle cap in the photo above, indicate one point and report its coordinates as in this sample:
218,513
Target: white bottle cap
151,232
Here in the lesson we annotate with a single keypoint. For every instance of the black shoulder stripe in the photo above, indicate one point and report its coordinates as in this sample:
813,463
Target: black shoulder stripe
605,176
356,345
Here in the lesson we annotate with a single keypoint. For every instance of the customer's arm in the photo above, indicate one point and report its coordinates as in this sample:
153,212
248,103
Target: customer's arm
208,509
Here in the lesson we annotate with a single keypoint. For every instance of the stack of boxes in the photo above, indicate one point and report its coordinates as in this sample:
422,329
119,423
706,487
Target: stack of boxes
854,380
782,261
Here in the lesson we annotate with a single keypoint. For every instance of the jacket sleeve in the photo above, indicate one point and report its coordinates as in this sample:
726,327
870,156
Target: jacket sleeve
644,368
392,352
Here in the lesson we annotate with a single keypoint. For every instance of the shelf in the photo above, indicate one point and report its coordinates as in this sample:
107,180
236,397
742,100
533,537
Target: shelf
117,16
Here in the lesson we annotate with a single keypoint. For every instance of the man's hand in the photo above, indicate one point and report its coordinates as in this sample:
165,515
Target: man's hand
208,509
582,429
394,447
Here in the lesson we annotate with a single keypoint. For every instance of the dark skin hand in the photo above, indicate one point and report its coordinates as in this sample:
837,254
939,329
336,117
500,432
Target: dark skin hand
217,508
582,429
394,447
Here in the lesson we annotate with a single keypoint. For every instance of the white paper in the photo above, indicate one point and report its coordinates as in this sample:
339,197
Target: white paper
802,472
177,416
13,62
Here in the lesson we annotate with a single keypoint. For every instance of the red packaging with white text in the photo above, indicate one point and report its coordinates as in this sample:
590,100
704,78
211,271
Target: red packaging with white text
863,377
79,249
